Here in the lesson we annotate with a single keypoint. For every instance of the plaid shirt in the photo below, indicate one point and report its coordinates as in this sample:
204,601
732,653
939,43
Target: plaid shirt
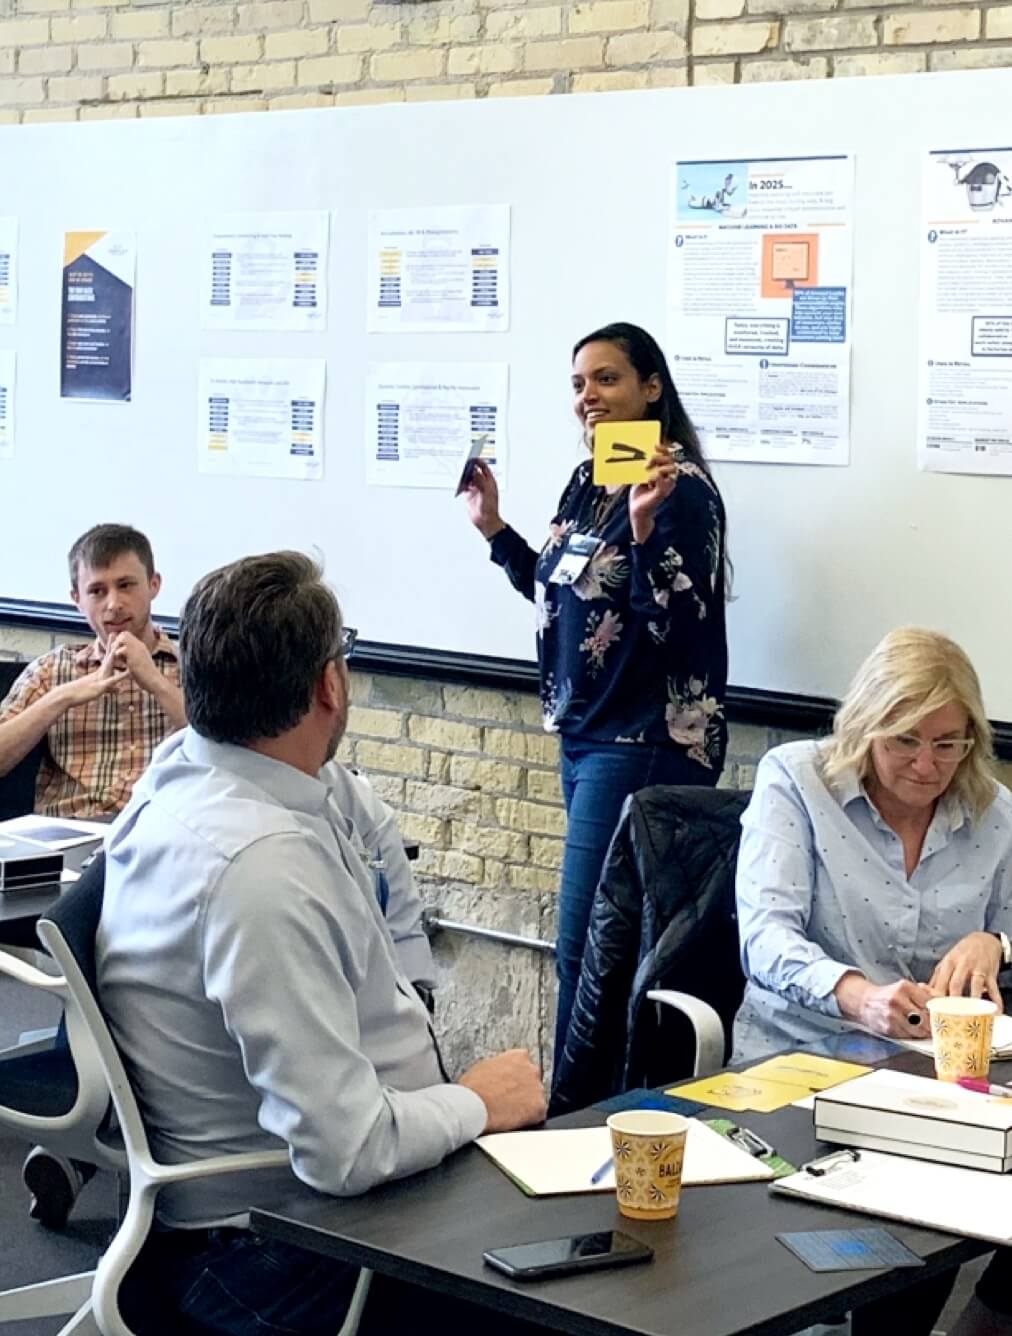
96,752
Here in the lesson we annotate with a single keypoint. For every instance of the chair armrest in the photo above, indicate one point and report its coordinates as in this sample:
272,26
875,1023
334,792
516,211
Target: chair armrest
18,969
705,1022
164,1174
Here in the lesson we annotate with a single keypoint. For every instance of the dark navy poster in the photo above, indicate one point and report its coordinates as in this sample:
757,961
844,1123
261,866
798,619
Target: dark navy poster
96,317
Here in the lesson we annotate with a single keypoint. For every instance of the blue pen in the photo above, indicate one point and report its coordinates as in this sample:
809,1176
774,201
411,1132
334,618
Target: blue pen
598,1174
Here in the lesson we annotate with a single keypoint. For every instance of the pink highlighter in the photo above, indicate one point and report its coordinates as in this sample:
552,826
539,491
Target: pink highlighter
984,1087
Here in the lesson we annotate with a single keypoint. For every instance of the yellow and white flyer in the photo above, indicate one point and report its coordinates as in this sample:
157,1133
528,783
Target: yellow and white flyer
439,270
965,372
265,271
760,277
7,368
8,271
424,420
261,417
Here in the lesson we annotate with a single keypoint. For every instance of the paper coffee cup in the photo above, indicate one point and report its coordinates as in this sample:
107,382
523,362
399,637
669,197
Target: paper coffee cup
961,1036
648,1147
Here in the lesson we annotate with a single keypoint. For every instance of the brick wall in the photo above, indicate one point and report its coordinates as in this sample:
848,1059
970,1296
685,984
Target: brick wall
474,779
89,59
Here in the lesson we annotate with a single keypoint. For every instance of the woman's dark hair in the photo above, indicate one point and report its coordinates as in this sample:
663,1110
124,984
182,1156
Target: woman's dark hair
644,352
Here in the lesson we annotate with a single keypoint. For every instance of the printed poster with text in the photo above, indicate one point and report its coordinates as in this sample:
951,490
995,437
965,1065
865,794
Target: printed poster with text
424,419
965,371
439,269
96,317
265,271
261,417
7,404
8,271
760,279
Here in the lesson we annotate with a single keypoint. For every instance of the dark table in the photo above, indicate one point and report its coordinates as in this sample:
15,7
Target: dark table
718,1269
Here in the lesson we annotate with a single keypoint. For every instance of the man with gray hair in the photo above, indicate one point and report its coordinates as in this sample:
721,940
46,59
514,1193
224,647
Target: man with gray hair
251,981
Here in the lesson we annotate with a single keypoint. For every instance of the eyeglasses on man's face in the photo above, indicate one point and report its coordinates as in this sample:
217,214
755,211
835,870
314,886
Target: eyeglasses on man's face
909,745
349,638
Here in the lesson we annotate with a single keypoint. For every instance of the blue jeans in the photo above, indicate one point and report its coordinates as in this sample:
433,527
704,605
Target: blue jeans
597,777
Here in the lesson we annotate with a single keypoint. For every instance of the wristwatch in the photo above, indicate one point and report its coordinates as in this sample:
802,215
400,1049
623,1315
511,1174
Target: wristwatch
1006,948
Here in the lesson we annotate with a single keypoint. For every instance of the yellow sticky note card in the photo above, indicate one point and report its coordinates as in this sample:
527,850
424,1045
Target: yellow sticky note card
732,1090
805,1071
622,451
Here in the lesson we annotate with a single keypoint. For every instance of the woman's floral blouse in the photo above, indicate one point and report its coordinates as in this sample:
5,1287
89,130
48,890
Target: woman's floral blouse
635,650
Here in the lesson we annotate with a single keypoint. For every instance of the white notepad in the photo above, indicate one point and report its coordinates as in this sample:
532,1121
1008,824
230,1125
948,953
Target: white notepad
547,1163
972,1202
1001,1039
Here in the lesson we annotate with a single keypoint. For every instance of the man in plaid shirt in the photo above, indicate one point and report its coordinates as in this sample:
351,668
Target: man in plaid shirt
101,708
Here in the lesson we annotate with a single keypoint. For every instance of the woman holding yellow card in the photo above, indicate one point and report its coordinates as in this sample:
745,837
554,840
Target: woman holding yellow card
628,591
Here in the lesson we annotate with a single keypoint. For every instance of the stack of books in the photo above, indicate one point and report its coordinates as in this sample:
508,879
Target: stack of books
919,1117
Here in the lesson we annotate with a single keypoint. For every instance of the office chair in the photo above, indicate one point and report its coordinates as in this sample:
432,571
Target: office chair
68,931
56,1095
663,930
17,787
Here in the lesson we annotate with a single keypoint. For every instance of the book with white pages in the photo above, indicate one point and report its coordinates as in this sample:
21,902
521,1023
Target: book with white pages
545,1163
920,1117
937,1196
1001,1040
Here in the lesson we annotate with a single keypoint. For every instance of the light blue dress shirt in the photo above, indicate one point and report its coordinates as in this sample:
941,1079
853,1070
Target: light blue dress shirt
254,989
822,888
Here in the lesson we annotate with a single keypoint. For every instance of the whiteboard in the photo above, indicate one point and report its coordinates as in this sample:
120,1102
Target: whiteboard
826,559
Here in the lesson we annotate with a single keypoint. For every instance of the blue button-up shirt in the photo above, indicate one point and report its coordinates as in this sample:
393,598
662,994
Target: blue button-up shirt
822,889
254,989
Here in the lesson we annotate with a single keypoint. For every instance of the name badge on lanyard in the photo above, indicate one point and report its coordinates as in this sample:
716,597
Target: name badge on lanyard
576,555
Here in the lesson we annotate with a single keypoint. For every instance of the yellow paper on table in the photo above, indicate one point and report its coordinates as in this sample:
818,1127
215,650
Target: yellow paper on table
738,1092
769,1085
622,451
806,1072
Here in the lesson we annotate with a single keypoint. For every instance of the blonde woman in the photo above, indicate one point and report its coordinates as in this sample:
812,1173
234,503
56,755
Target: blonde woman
875,868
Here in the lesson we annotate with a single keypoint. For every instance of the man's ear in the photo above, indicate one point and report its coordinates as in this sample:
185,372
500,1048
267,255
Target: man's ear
332,685
75,596
154,584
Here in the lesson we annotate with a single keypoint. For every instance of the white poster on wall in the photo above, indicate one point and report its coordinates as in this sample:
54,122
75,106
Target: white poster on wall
439,269
760,276
7,369
424,419
265,271
261,418
965,372
8,271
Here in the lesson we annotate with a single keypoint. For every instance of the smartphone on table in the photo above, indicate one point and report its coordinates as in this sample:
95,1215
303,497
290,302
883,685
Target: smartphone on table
563,1257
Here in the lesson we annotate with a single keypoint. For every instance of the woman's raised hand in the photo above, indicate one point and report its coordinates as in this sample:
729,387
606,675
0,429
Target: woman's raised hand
482,498
645,497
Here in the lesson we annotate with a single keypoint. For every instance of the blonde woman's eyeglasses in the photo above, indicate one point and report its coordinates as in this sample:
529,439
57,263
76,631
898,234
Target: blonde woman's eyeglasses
909,745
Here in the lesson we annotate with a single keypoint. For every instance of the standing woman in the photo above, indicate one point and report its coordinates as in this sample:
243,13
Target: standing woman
628,593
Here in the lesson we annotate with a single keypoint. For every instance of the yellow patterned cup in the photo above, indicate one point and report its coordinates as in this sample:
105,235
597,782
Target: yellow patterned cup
647,1148
961,1035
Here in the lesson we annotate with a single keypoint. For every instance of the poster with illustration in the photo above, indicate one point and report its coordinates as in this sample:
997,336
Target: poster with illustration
760,275
965,343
